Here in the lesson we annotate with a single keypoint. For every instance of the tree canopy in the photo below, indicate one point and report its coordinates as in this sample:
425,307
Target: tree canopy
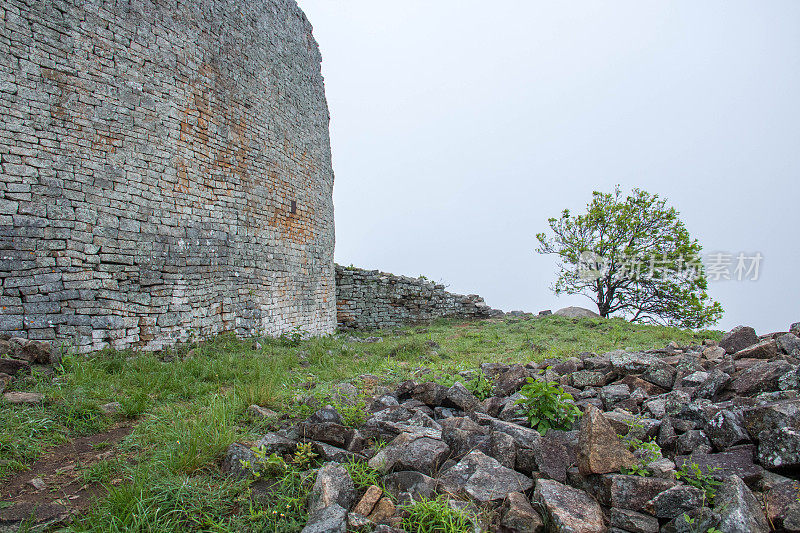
633,256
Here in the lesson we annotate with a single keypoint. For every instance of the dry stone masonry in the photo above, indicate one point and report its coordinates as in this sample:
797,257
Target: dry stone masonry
370,299
166,171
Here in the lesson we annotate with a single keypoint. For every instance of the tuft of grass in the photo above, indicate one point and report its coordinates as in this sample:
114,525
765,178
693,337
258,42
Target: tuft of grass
363,475
170,504
102,471
436,516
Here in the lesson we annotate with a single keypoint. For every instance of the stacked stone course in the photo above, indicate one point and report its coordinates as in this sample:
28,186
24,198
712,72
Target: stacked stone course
370,299
165,171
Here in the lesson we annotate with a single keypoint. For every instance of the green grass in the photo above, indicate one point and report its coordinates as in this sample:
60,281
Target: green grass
436,516
189,410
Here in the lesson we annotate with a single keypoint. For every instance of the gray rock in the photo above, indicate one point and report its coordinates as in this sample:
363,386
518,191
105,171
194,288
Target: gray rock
461,397
23,398
716,381
725,429
328,414
256,411
611,395
695,379
330,519
333,486
789,344
276,443
503,448
737,461
240,461
662,468
738,338
576,312
327,452
762,377
779,448
631,362
111,408
661,374
675,501
567,509
670,403
382,402
632,492
408,485
483,478
738,508
693,521
510,381
463,435
430,393
588,378
783,506
410,451
12,367
767,349
693,440
632,521
330,433
785,414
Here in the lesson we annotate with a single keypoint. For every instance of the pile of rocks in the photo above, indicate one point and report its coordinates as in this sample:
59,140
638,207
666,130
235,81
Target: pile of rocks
18,357
730,409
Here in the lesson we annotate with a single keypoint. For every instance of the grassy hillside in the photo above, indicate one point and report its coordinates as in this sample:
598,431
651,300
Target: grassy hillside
187,405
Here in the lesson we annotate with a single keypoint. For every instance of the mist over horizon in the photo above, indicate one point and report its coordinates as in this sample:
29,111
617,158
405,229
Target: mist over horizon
457,130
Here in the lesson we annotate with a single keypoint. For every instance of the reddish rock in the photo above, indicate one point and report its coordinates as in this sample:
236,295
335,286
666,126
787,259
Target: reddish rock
519,516
600,450
763,350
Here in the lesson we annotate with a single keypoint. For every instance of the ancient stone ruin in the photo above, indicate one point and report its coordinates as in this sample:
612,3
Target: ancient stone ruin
370,299
166,172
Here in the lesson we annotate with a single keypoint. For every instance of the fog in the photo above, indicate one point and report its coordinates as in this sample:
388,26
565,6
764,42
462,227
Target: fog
459,127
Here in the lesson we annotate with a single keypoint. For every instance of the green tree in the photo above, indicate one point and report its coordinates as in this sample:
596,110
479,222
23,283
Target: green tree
632,256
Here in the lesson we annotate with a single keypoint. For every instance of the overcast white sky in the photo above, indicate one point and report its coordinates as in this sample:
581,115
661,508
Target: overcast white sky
458,127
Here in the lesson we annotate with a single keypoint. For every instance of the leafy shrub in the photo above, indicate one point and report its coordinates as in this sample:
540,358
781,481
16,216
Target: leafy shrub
547,406
692,474
647,451
481,386
436,516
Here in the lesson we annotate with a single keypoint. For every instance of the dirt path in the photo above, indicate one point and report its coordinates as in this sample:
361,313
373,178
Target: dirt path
65,493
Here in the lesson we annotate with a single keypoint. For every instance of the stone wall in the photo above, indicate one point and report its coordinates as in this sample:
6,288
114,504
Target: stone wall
370,299
165,171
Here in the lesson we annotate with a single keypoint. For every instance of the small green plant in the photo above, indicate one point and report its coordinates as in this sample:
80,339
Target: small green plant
436,516
265,465
304,455
353,414
293,337
692,474
647,452
694,526
481,386
547,406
